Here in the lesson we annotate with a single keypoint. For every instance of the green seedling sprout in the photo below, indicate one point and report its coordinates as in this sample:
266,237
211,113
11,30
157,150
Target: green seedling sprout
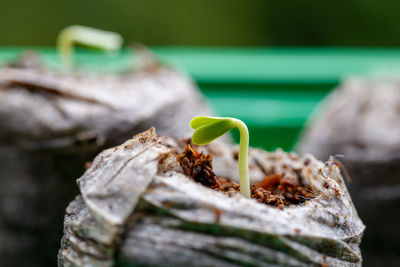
86,36
210,128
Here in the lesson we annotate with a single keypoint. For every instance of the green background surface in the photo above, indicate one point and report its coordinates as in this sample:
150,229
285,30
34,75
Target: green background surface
208,22
273,90
224,44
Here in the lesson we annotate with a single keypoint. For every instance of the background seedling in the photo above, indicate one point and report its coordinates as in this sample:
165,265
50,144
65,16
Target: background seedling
210,128
86,36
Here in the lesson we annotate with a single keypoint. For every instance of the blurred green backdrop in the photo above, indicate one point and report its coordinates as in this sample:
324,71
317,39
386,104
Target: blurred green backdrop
272,89
208,22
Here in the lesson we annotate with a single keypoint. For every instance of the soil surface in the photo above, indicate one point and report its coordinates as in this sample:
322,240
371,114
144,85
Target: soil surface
276,189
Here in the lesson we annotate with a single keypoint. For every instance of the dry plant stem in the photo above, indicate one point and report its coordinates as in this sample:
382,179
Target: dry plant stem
342,167
308,175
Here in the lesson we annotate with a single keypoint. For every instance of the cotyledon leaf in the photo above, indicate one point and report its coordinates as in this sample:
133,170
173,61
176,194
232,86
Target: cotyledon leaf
208,132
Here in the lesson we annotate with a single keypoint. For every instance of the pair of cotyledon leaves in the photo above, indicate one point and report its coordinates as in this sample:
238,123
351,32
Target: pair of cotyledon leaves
210,128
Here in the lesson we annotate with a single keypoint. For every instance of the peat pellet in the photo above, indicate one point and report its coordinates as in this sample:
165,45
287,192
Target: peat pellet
153,201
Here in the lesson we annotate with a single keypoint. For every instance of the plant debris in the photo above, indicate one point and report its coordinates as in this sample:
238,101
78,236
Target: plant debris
198,166
276,189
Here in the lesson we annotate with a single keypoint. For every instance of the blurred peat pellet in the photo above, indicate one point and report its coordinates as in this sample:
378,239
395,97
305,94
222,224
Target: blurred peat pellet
52,124
361,121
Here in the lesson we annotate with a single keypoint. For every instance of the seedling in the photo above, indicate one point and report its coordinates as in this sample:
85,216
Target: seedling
210,128
86,36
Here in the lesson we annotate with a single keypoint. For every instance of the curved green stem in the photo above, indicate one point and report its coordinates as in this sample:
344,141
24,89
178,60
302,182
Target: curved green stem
71,35
243,158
